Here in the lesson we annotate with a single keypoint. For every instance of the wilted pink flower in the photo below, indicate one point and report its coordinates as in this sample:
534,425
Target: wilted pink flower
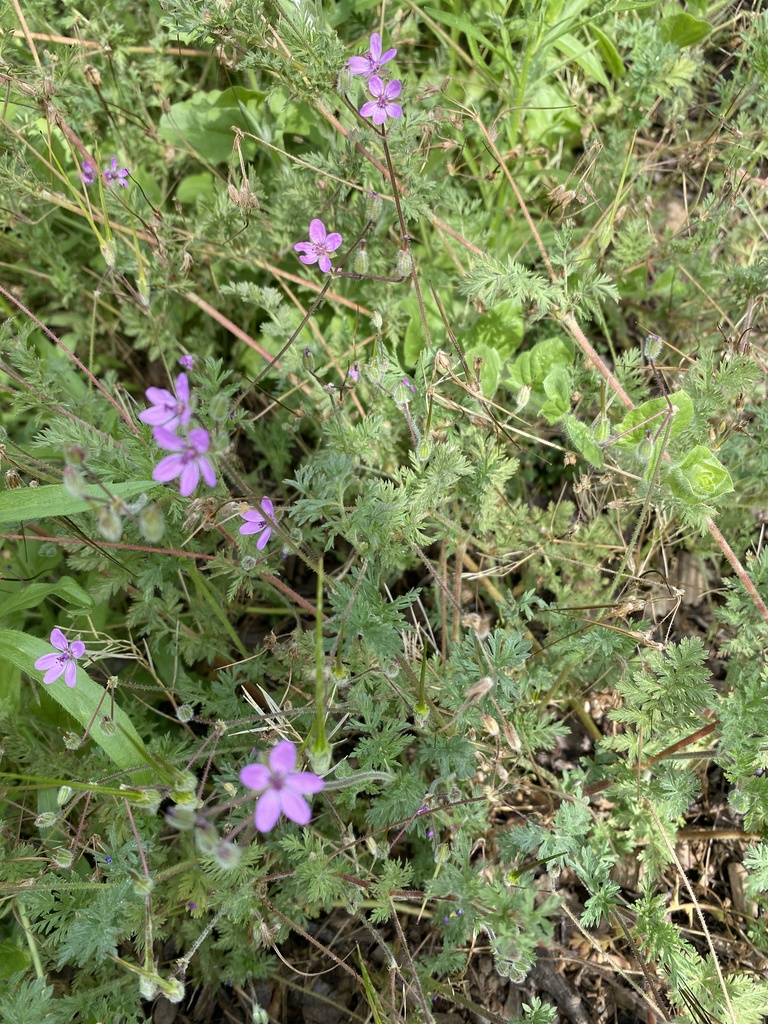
381,106
373,61
169,411
319,246
354,371
255,522
55,665
88,173
189,462
187,361
282,787
115,175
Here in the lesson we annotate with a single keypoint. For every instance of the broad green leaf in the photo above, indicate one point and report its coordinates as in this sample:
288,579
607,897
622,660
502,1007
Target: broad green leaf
27,503
699,477
464,25
12,959
124,747
30,595
204,122
490,367
683,29
582,439
582,55
193,186
611,56
500,327
650,417
533,366
557,388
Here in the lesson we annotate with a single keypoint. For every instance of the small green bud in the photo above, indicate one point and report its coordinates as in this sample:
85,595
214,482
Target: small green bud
259,1015
206,839
652,346
360,263
308,360
320,757
376,320
373,205
644,450
152,523
142,884
148,986
184,782
62,858
109,524
248,563
420,715
523,397
401,393
227,855
75,454
404,263
72,740
74,483
64,795
424,450
344,80
219,407
185,712
181,817
47,819
146,799
107,726
172,989
602,429
109,253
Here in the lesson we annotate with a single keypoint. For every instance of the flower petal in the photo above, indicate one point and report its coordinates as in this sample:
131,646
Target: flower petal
255,776
295,806
47,661
333,241
394,110
282,759
209,473
393,89
325,264
368,108
77,648
317,231
168,469
388,56
182,387
375,86
268,507
199,439
305,782
304,247
310,258
379,115
359,65
189,479
53,673
261,543
248,528
159,396
376,46
164,438
157,415
267,811
70,673
59,640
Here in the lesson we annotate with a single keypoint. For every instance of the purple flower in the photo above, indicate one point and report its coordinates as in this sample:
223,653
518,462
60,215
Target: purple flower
187,361
169,411
354,371
373,61
55,665
319,246
381,106
115,174
88,173
281,787
409,385
189,462
256,522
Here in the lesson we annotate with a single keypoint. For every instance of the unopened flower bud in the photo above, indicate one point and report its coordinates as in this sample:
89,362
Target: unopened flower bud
420,714
401,393
152,523
142,884
74,483
108,251
64,795
62,858
523,397
46,820
75,454
376,320
424,450
148,986
248,563
107,726
308,360
373,206
319,757
227,855
652,346
354,372
644,450
360,262
185,712
219,407
602,429
206,839
109,524
72,740
404,263
172,989
183,818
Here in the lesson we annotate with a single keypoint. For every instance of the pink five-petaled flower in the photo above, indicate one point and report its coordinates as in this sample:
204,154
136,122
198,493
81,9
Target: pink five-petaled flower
189,462
55,665
256,522
281,787
381,106
169,411
319,246
115,174
88,173
373,61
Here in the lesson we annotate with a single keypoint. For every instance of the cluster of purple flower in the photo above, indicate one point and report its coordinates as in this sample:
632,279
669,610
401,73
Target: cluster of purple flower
113,175
384,93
